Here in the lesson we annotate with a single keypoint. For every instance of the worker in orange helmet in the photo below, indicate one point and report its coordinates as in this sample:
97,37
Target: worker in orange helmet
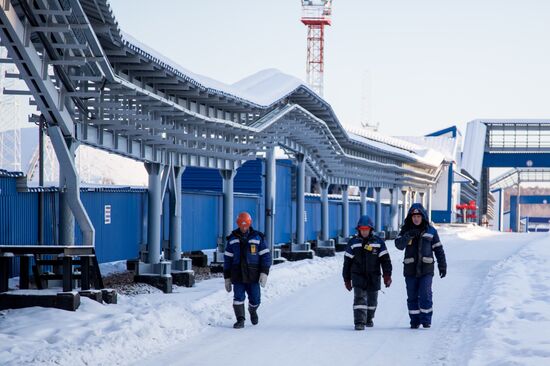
246,266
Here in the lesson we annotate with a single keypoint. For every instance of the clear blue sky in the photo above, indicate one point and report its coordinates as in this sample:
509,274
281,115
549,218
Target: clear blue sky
420,65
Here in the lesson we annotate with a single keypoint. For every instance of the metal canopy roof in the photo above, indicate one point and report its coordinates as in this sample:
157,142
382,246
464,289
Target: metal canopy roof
107,90
522,175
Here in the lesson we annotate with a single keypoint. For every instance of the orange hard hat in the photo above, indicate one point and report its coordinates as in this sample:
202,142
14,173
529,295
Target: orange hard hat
244,220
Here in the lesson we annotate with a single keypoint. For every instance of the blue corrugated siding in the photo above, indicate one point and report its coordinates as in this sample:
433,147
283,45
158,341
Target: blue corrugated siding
121,238
371,209
385,216
354,214
201,220
284,213
250,204
200,179
247,180
313,218
335,219
249,177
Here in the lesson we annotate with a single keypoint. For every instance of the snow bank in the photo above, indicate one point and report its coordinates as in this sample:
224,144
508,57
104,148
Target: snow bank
467,232
138,326
515,315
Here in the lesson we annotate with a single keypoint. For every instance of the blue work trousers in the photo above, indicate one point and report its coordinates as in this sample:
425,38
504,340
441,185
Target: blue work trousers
419,299
250,289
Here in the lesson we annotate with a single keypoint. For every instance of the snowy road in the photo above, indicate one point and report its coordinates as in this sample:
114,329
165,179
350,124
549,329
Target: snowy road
315,325
493,308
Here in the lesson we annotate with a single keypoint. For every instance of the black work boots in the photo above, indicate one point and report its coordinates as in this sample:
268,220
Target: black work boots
239,314
253,314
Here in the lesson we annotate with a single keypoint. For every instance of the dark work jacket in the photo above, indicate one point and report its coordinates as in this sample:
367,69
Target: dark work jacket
246,256
420,243
362,262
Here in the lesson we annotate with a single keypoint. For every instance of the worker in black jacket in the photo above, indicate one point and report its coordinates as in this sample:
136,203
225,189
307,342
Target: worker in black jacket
364,256
420,241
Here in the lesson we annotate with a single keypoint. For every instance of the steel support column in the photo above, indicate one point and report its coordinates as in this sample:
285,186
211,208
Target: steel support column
345,211
71,181
66,217
270,195
324,211
429,204
175,213
422,199
228,204
394,201
300,198
378,211
154,195
363,197
405,206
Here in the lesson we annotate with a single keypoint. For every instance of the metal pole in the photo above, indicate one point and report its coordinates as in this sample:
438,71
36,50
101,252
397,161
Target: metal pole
404,206
363,197
518,218
345,211
378,212
66,217
41,179
228,180
429,204
324,211
423,199
175,214
394,209
154,195
270,193
300,198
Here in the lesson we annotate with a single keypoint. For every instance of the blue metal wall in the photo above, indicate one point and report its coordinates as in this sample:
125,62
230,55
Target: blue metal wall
354,214
284,212
121,238
201,212
247,180
524,200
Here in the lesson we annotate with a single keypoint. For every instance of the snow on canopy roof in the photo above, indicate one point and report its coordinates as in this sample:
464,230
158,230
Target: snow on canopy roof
262,88
397,146
443,144
269,86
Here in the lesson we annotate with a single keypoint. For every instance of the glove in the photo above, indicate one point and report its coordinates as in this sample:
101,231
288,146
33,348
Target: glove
263,279
387,280
228,284
348,285
413,233
442,271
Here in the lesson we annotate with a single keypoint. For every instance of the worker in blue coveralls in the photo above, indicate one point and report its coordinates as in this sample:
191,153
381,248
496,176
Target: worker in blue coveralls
246,266
420,241
365,254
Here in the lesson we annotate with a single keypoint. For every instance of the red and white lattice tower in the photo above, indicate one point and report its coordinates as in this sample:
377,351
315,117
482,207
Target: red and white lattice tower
316,15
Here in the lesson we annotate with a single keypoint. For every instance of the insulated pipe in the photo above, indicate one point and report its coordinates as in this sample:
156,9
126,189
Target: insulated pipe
175,213
378,213
345,211
228,180
363,196
324,210
423,199
300,198
153,213
270,194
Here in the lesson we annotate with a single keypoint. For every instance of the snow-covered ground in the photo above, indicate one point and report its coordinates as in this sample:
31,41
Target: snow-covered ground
492,308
